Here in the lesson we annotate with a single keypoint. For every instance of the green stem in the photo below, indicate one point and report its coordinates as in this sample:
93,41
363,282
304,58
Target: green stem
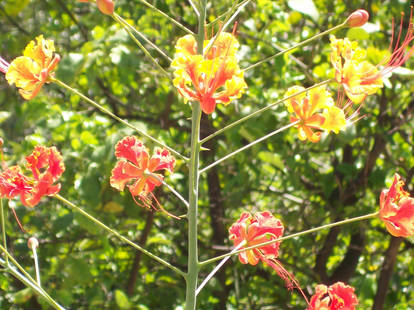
192,214
177,194
168,17
248,146
347,221
106,111
247,117
142,47
3,229
317,36
154,46
119,236
27,279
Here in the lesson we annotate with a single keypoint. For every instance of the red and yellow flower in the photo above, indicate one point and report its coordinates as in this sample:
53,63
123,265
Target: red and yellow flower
315,112
251,230
338,296
136,166
211,78
35,68
397,209
46,165
360,78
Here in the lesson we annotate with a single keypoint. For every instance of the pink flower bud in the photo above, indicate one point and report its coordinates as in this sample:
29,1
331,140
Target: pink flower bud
105,6
32,243
357,18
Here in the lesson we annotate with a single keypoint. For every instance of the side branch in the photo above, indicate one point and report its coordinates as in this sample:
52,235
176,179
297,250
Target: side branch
248,146
247,117
317,36
167,16
26,278
305,232
119,236
106,111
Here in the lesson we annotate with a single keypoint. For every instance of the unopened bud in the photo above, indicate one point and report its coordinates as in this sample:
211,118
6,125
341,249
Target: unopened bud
32,243
357,18
105,6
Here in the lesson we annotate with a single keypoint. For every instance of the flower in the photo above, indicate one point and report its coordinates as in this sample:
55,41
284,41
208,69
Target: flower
357,18
253,230
46,165
212,78
397,209
30,71
360,78
315,111
137,166
338,296
105,6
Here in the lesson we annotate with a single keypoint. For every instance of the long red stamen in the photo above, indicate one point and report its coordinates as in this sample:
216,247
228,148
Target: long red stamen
4,65
17,220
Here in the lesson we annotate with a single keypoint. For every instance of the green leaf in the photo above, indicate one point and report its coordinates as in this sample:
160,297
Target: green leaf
121,300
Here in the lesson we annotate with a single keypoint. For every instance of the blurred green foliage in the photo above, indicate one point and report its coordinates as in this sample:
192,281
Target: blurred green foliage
304,184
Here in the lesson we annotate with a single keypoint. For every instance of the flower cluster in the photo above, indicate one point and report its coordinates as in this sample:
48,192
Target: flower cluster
35,68
46,165
314,111
136,166
211,78
253,230
338,296
105,6
397,209
360,78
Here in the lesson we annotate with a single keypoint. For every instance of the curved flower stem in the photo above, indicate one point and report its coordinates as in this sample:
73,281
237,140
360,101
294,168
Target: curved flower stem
141,35
3,229
305,232
229,11
217,268
26,278
317,36
106,111
193,266
168,17
36,263
142,47
119,236
248,146
194,8
247,117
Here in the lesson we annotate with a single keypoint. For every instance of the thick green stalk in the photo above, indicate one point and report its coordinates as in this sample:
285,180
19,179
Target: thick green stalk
119,236
27,279
303,43
347,221
247,117
193,265
106,111
248,146
3,229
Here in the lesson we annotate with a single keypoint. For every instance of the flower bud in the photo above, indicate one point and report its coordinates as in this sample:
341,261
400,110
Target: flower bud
357,18
32,243
105,6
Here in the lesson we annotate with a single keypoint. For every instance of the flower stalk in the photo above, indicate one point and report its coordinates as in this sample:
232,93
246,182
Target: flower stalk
3,229
192,215
248,146
106,111
27,279
119,236
302,233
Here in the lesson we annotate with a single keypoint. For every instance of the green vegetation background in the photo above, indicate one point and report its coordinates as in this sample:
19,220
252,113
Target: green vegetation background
304,184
